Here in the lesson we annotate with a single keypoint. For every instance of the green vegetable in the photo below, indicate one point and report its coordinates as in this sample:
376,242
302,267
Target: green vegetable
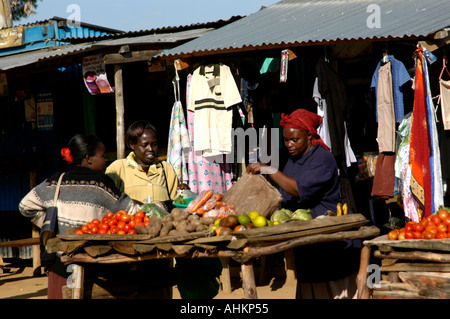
180,200
279,216
153,210
302,214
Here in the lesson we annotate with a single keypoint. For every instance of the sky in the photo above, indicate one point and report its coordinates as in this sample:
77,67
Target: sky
144,14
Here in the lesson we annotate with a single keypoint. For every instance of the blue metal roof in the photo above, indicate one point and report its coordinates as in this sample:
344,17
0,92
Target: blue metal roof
303,22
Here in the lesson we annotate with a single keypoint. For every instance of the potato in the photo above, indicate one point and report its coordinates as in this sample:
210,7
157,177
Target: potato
201,227
208,220
191,227
167,226
182,225
167,218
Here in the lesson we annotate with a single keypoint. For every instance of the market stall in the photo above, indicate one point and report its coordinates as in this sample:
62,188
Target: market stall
242,246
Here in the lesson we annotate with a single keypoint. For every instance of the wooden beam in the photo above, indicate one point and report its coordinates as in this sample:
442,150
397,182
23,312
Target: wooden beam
127,57
120,111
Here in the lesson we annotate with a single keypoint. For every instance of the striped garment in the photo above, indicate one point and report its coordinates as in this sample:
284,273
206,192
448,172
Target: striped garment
84,195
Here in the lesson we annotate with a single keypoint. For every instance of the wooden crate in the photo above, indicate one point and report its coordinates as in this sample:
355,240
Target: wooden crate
412,269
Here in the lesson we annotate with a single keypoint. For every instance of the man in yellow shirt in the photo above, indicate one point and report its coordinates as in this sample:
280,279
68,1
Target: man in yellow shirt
141,175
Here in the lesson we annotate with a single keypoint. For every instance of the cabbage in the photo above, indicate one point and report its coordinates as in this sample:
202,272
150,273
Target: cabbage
279,216
302,214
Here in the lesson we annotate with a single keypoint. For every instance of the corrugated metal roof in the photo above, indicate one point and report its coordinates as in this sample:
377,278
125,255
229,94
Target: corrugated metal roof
23,59
301,22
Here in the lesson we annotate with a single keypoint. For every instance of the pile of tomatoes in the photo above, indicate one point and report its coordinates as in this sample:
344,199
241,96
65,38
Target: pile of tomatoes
115,223
436,226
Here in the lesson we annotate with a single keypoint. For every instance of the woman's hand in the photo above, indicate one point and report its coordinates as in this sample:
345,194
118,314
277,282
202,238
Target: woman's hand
183,186
255,168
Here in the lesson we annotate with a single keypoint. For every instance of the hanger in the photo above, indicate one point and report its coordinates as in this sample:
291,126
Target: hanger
444,67
176,82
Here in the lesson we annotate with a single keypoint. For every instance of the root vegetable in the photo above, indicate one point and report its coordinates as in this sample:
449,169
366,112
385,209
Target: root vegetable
167,226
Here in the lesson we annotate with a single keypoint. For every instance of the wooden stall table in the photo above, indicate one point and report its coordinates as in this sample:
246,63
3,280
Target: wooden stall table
243,246
412,268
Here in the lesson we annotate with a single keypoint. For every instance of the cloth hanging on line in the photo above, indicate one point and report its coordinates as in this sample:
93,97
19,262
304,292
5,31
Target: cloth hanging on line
403,170
400,76
419,155
204,174
385,110
213,92
444,87
437,191
178,146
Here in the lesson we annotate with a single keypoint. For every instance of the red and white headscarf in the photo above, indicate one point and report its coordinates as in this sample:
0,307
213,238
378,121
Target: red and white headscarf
302,119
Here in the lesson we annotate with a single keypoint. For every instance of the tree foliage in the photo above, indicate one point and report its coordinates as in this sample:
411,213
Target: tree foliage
22,8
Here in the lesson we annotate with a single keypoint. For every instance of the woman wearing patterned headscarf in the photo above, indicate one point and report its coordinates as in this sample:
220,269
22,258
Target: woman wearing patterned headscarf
310,178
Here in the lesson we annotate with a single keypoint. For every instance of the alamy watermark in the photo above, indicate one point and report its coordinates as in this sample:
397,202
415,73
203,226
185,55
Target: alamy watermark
374,19
74,18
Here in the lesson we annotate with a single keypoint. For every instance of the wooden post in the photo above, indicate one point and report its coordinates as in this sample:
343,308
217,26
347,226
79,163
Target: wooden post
5,14
248,280
361,278
78,282
225,277
120,111
36,249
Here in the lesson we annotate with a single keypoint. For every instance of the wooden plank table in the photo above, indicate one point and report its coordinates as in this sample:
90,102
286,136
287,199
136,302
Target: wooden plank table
243,246
412,268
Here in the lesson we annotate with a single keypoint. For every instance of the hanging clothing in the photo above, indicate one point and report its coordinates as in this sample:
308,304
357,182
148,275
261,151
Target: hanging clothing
213,92
445,102
178,146
204,174
332,89
437,191
419,155
385,109
403,170
400,76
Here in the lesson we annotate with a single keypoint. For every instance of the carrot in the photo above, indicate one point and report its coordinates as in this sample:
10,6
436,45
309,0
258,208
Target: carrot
218,197
201,211
202,200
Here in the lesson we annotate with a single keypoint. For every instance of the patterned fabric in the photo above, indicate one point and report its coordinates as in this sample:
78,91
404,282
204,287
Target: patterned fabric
419,154
204,174
83,196
179,144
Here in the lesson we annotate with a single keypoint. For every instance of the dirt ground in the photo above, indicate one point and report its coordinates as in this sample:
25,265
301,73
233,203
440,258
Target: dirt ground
17,282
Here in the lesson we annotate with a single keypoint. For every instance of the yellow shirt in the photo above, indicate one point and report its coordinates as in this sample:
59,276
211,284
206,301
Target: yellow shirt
131,179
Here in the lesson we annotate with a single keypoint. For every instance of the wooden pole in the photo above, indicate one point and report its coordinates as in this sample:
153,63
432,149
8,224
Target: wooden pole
78,284
120,111
36,249
361,278
248,280
5,14
225,277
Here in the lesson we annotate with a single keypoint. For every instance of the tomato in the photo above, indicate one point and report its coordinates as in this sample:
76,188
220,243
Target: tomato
409,235
442,213
431,229
126,218
409,227
121,232
428,235
112,222
102,231
441,235
119,214
442,227
435,219
392,235
146,224
103,226
139,214
105,220
140,224
94,229
430,224
146,219
121,224
138,220
109,215
418,227
446,221
84,228
95,221
79,232
132,223
131,232
90,225
418,235
114,229
126,228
